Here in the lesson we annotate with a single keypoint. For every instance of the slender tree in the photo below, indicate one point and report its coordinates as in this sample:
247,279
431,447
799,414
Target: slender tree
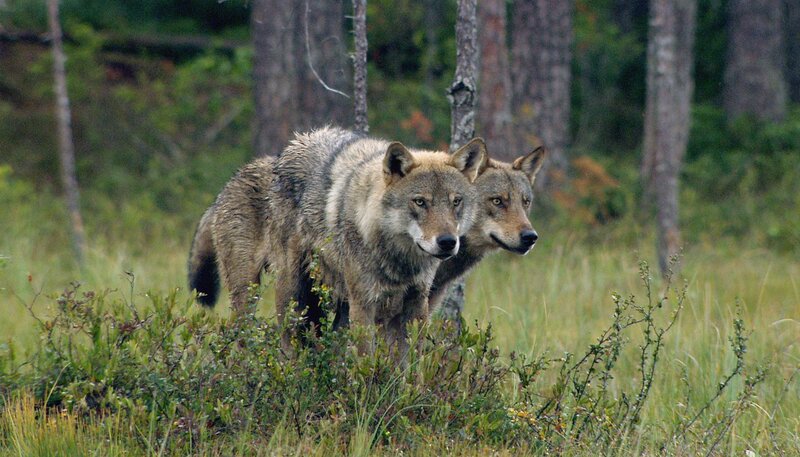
494,103
462,96
669,94
65,144
360,66
755,79
540,76
274,75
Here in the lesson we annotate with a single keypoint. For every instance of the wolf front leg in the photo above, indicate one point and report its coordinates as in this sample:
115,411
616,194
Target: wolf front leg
414,308
362,310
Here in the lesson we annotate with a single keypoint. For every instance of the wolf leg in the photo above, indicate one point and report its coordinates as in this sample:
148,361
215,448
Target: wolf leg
235,239
362,310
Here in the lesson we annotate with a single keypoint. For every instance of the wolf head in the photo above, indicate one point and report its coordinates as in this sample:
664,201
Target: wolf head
429,196
504,200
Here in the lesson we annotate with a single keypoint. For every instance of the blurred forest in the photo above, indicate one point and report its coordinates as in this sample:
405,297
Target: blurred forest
165,108
643,104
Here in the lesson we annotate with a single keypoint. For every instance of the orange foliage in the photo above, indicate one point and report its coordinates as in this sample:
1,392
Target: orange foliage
420,125
587,194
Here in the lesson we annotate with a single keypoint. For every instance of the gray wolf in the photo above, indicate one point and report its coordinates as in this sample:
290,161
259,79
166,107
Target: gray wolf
380,217
504,201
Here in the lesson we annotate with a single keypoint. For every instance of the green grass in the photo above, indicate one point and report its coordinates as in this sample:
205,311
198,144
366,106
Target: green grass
556,299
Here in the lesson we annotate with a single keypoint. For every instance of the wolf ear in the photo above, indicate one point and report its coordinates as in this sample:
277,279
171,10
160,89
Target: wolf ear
531,163
397,162
471,159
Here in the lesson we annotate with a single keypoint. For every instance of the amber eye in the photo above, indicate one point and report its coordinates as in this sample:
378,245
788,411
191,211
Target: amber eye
419,202
456,201
526,201
497,201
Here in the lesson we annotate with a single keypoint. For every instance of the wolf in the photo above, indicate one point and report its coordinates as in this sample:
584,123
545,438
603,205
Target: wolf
505,193
501,222
380,218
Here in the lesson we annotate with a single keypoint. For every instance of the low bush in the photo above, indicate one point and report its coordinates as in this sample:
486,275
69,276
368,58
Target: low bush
187,380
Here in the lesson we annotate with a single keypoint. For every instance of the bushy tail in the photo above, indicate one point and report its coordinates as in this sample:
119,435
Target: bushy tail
203,272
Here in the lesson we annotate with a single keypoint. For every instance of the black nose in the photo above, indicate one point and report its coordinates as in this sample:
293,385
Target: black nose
446,242
528,237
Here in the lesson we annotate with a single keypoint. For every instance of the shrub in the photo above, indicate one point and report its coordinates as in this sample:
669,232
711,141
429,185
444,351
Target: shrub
193,378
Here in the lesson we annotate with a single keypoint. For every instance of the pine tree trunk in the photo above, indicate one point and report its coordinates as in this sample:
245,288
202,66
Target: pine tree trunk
65,144
462,95
755,79
360,66
323,69
669,94
494,103
274,75
301,75
540,81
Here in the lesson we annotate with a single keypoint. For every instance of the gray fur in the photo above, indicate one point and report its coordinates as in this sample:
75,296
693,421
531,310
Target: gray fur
356,209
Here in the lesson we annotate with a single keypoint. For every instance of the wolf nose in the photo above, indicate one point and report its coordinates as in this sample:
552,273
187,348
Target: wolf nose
528,237
446,242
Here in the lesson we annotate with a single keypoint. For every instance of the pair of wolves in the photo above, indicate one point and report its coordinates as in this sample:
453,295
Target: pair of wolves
391,227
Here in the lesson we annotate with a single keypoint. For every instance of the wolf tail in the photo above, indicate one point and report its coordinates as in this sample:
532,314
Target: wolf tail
203,272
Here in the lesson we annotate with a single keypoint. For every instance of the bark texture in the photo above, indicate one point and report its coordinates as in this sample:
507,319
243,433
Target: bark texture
301,75
360,66
66,147
323,68
494,103
462,96
463,91
540,76
669,94
755,79
274,75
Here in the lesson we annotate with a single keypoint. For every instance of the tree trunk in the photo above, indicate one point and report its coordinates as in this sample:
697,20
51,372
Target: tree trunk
323,69
274,75
494,103
361,124
540,77
792,36
65,145
669,94
462,95
301,73
755,82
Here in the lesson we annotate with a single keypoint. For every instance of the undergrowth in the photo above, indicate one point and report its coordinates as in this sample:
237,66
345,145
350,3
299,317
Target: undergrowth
183,381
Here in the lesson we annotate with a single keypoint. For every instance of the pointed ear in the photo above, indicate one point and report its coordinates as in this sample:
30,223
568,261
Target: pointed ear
531,163
471,159
397,162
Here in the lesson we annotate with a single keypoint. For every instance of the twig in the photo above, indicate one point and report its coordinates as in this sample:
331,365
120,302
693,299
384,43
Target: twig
311,64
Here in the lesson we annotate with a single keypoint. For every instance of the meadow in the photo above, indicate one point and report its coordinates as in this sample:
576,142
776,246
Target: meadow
557,300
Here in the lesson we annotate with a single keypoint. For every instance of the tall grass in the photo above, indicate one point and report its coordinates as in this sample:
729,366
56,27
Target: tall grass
553,301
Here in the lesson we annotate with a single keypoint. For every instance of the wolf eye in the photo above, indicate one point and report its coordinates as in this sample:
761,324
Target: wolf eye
456,201
526,201
419,202
497,201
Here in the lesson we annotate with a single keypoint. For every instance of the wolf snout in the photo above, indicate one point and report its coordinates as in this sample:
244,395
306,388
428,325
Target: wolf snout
446,243
528,237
